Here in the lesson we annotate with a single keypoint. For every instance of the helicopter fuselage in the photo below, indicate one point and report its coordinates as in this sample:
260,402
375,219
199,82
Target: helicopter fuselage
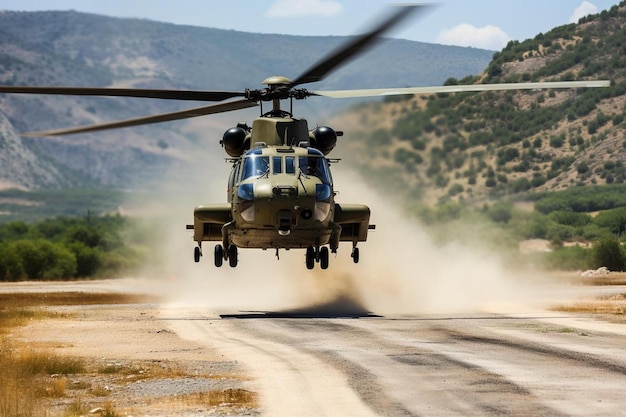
280,195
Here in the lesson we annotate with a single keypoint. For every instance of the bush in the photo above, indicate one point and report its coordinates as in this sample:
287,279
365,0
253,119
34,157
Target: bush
607,251
570,258
614,220
500,212
40,259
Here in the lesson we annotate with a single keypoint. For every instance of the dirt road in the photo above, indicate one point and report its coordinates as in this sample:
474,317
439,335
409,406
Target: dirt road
319,363
541,364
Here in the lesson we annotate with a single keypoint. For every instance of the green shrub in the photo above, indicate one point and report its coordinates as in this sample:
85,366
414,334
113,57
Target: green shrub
607,251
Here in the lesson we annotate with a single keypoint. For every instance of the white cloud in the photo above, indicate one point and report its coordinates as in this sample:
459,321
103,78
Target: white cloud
300,8
585,8
487,37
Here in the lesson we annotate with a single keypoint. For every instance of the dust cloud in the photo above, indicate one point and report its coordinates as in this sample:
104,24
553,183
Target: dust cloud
401,271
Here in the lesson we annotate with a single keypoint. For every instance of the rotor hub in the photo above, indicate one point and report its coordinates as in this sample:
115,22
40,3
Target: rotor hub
278,88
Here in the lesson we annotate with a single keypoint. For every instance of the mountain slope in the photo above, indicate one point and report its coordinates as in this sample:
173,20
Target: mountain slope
70,48
475,146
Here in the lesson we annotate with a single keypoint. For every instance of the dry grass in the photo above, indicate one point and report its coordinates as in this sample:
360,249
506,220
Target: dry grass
232,398
29,300
27,375
608,308
33,378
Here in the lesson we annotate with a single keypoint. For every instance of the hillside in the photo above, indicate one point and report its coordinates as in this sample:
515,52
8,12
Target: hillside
71,48
477,146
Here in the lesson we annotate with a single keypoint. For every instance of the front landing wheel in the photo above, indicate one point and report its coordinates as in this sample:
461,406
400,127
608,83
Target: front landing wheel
310,257
324,257
233,256
218,255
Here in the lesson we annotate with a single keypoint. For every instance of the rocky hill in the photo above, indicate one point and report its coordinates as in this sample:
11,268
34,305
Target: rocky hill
78,49
477,146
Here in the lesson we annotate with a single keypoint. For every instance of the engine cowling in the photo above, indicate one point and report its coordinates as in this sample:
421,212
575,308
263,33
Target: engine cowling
324,138
235,141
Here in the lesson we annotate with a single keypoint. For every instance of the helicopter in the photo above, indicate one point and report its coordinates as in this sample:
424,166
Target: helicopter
280,192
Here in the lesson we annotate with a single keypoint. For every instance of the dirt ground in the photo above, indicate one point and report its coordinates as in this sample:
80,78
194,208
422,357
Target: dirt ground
148,357
136,365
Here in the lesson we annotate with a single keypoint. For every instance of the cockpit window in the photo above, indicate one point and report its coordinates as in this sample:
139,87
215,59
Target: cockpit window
290,164
315,165
254,166
277,164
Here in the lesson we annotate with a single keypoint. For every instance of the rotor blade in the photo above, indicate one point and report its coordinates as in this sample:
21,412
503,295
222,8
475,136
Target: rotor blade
165,117
126,92
357,45
461,88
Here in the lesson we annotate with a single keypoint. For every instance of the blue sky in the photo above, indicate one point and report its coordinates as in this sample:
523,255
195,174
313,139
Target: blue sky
488,24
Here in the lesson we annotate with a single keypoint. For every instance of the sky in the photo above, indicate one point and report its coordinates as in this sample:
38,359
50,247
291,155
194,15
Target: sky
487,24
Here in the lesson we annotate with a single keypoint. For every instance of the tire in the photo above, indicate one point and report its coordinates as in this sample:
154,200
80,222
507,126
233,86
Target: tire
355,255
197,254
218,255
233,256
324,257
310,258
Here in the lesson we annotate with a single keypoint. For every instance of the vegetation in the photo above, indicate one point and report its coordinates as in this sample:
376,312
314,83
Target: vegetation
516,165
29,206
70,247
580,240
475,147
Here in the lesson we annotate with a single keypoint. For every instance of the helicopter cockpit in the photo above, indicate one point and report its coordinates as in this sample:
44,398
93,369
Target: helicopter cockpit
255,164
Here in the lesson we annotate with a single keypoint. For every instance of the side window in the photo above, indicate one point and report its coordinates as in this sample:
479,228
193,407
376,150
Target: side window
232,177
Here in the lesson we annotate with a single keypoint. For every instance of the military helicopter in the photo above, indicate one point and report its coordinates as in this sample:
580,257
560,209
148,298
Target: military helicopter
280,189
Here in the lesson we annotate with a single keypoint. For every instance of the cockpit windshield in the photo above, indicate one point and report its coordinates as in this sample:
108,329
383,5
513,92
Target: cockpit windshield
255,166
312,164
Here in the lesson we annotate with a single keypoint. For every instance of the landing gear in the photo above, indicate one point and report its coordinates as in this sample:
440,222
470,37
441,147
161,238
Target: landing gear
310,257
197,253
232,256
323,257
320,255
355,255
218,255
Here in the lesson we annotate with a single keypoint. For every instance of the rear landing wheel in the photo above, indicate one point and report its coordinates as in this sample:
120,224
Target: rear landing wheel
218,255
197,253
355,255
